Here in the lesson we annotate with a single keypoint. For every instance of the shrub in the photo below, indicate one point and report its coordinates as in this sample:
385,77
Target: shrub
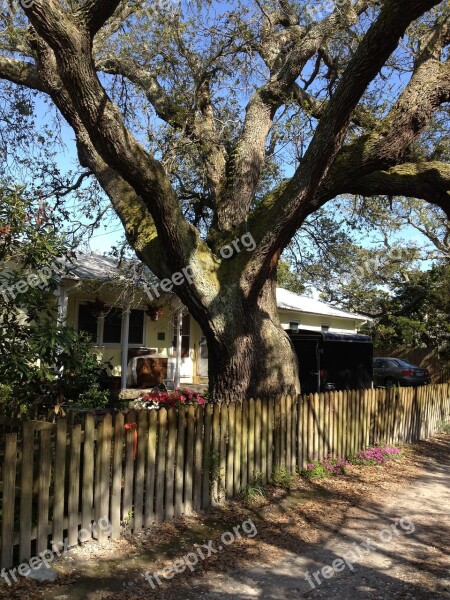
376,456
281,478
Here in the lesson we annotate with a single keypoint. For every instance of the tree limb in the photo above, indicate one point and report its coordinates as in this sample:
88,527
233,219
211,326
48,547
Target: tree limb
428,181
95,13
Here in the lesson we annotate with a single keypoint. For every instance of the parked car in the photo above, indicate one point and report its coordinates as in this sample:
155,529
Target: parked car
389,372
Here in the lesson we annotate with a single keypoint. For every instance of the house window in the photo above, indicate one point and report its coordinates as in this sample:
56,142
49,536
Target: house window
87,322
325,328
112,326
136,335
293,325
108,329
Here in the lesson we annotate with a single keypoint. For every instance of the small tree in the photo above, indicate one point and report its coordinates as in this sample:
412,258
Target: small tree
41,359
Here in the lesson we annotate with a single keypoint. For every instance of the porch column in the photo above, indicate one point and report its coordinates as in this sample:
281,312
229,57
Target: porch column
125,332
179,325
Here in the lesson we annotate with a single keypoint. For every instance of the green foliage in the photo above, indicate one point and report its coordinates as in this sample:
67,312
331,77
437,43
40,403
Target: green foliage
281,478
254,492
315,470
289,280
41,359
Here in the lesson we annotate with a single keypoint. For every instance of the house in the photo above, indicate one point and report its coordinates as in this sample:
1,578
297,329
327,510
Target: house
110,303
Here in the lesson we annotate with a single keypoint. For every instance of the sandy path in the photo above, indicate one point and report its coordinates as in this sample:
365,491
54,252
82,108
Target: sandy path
406,552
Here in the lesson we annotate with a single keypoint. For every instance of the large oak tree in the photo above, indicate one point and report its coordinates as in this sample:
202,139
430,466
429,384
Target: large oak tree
362,81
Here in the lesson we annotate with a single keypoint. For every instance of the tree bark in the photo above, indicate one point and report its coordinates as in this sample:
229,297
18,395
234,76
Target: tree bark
253,356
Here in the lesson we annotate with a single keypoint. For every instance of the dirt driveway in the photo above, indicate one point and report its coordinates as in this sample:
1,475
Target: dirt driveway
377,533
396,546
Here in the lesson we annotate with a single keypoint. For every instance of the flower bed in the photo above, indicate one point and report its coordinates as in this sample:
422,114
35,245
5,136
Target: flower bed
377,455
171,399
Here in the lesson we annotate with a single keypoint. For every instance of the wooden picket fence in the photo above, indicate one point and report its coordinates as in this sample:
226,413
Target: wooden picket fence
141,468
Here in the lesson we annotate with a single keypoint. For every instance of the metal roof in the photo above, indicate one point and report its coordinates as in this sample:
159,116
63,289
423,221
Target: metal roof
287,300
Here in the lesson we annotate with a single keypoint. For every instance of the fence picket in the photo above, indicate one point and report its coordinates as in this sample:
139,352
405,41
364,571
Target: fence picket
206,461
231,450
169,466
150,476
160,465
88,470
26,492
197,500
189,466
116,488
139,481
9,497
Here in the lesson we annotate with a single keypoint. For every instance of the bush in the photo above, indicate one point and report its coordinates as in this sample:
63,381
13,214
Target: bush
281,478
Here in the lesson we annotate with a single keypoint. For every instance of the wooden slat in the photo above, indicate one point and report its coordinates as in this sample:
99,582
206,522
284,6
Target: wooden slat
116,488
270,440
258,418
105,450
264,439
26,491
170,462
223,452
44,490
206,481
277,434
347,422
230,450
139,480
160,464
180,463
326,424
294,435
310,442
244,445
319,405
9,496
198,456
129,466
251,443
74,484
288,433
189,466
300,433
214,457
283,431
87,504
237,449
59,478
150,476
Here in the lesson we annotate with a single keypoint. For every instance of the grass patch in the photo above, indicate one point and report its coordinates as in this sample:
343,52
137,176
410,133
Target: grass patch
254,493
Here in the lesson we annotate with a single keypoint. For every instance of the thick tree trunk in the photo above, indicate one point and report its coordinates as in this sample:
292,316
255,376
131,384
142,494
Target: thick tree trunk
254,358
